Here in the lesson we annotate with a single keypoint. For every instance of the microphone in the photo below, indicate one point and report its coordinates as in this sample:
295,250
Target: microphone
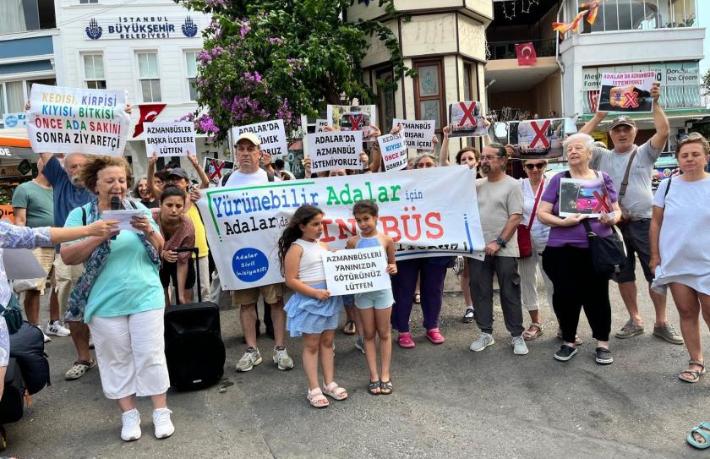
115,203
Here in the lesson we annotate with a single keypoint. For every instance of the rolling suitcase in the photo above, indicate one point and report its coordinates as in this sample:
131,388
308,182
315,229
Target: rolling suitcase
194,349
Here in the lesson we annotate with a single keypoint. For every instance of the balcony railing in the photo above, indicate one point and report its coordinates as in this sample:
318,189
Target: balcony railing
506,49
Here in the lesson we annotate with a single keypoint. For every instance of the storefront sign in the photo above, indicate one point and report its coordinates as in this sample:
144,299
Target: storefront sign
271,134
141,28
334,150
419,134
356,271
14,120
170,139
244,224
77,120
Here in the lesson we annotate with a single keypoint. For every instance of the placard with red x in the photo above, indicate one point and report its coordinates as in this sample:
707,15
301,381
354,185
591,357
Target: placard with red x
465,119
631,99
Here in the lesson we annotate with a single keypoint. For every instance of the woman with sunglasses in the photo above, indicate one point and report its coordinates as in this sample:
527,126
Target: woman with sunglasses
537,232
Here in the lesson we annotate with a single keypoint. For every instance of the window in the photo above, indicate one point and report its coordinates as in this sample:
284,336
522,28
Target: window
429,92
94,71
385,96
2,99
88,1
643,14
15,91
191,63
149,77
24,15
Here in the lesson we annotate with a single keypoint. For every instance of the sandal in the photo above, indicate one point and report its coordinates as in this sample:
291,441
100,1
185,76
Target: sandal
386,387
316,398
534,331
703,430
79,369
349,327
692,376
374,388
334,391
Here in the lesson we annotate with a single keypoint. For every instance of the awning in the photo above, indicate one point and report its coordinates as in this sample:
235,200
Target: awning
671,113
14,137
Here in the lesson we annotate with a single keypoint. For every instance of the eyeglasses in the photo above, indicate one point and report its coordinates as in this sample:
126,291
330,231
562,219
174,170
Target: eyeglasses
535,166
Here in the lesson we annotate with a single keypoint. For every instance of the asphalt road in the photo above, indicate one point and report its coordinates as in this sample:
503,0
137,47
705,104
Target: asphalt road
447,402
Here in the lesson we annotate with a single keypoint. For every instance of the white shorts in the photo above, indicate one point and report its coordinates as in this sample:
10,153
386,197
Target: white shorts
130,351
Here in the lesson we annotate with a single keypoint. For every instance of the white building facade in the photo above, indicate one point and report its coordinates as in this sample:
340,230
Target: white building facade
146,47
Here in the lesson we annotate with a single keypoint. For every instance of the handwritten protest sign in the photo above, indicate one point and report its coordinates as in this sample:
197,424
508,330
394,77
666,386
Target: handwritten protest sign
466,119
170,139
586,197
216,169
356,271
393,148
352,117
271,134
419,134
76,120
537,138
334,150
626,92
243,224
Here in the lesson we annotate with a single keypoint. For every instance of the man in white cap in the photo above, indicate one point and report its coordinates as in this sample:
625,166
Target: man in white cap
247,154
631,168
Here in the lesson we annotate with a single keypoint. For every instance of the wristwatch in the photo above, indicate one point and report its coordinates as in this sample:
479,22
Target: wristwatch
500,241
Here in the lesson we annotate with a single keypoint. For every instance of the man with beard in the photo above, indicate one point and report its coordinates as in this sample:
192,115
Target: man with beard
500,206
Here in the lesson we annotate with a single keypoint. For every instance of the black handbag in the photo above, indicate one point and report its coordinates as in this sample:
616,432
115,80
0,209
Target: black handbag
608,254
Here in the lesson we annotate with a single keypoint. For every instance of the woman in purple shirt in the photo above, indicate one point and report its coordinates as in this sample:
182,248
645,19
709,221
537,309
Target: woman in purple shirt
567,259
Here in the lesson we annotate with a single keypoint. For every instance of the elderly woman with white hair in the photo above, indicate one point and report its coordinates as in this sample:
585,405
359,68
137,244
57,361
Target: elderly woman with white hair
567,259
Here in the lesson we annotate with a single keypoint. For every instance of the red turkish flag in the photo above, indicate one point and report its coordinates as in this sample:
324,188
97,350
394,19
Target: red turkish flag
148,112
525,52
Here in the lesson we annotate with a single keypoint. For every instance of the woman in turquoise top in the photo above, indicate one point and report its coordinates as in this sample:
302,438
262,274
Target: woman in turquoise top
120,297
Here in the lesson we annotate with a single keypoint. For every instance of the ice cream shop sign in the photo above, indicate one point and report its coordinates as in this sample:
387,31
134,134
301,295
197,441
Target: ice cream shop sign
141,28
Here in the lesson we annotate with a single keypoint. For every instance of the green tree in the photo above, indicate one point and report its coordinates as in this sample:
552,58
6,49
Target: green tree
270,59
706,82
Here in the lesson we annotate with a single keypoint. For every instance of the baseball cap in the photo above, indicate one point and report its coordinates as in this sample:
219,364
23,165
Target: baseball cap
250,137
622,121
178,172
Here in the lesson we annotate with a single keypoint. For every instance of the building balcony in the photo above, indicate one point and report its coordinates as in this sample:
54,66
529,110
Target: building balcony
506,49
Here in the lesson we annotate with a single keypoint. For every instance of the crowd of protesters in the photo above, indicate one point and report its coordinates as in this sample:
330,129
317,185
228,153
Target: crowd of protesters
113,285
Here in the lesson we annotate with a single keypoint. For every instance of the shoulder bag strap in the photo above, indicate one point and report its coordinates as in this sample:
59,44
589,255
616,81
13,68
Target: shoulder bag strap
625,180
538,195
588,228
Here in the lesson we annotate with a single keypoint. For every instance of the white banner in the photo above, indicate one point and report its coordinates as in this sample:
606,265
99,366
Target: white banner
356,271
334,150
77,120
393,148
170,139
419,134
271,134
416,209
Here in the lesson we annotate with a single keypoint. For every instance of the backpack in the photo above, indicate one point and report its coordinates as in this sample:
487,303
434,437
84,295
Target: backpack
27,347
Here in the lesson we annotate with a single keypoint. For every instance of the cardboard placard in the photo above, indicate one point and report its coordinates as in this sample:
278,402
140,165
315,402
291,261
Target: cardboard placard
393,148
466,119
626,92
537,138
353,271
419,134
352,118
334,150
272,135
170,139
216,169
78,120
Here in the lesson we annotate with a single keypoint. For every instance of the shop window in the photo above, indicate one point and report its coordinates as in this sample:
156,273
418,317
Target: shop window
149,76
429,92
94,77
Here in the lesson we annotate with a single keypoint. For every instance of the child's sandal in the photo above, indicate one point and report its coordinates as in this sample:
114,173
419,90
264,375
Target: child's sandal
335,392
386,387
374,388
317,399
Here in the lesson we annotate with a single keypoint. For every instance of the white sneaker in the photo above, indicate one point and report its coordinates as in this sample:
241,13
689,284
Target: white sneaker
163,425
46,338
519,346
131,429
482,342
282,360
249,360
56,328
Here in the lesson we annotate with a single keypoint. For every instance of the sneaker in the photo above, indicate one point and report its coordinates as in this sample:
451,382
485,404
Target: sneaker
131,425
360,343
629,330
46,338
435,336
482,342
405,340
468,315
519,346
249,360
56,328
565,353
603,356
667,332
282,360
162,424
